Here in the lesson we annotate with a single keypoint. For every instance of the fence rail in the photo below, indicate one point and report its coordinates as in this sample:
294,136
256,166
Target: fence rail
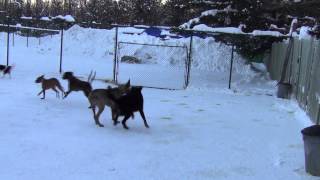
303,72
182,51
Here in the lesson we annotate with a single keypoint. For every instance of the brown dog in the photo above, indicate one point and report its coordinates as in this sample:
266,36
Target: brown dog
100,98
51,83
76,84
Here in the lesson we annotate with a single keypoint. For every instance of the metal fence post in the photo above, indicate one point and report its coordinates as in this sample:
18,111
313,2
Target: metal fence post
189,61
13,38
61,49
8,40
299,71
27,37
231,66
115,79
317,123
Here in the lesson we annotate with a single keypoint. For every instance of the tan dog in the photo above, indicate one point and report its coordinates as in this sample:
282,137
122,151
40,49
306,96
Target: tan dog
51,83
100,98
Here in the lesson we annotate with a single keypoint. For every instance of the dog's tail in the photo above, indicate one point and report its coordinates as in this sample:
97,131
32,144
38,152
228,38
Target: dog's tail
92,76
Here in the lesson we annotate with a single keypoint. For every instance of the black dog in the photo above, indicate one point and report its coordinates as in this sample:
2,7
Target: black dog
128,104
6,69
2,67
76,84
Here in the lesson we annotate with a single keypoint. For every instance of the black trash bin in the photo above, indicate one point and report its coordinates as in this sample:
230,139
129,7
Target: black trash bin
311,138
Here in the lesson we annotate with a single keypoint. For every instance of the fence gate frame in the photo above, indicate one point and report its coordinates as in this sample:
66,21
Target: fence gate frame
187,61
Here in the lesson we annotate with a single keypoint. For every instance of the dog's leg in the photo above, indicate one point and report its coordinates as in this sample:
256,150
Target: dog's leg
57,92
94,112
44,94
66,94
144,118
40,92
86,93
114,117
124,121
96,118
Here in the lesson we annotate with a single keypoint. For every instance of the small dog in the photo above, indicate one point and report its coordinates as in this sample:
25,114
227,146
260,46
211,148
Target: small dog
46,84
76,84
6,69
99,98
127,105
2,67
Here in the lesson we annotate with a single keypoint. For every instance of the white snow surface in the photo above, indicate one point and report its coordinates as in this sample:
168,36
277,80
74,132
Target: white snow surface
203,132
234,30
69,18
45,18
304,33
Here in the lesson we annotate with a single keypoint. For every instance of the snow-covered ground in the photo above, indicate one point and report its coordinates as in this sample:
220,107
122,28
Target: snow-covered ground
203,132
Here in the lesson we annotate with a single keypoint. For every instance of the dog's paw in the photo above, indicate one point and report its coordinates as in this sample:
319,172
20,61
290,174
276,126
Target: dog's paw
101,125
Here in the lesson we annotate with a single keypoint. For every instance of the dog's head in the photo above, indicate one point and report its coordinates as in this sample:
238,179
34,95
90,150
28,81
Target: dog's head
136,90
67,75
2,67
39,79
125,88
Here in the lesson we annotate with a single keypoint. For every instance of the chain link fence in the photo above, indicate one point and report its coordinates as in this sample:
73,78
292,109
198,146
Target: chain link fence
148,56
303,72
147,67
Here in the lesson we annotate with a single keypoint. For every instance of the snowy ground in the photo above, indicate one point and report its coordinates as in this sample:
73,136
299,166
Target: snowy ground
204,132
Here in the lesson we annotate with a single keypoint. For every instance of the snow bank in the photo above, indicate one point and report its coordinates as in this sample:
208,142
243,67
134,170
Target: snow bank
304,33
99,44
45,19
229,30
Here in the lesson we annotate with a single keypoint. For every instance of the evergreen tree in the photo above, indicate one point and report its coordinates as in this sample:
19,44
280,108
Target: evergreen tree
147,11
176,12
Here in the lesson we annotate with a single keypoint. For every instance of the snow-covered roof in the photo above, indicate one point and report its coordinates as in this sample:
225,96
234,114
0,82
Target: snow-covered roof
45,19
24,17
69,18
212,12
229,30
59,17
235,30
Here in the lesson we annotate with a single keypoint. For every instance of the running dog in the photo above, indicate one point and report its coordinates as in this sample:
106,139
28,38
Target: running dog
6,70
100,98
76,84
127,105
46,84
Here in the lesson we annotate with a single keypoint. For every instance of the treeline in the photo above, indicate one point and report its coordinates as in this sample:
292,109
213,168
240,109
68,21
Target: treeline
255,13
147,12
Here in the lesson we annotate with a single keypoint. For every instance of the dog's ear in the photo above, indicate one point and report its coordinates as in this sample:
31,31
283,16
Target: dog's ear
128,83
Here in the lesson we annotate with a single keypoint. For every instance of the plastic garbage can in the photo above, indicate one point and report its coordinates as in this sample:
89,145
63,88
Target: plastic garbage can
311,138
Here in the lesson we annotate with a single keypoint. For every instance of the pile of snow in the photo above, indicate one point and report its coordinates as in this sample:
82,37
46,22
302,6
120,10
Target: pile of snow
304,33
67,18
236,30
45,18
212,12
229,30
27,18
99,44
266,33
